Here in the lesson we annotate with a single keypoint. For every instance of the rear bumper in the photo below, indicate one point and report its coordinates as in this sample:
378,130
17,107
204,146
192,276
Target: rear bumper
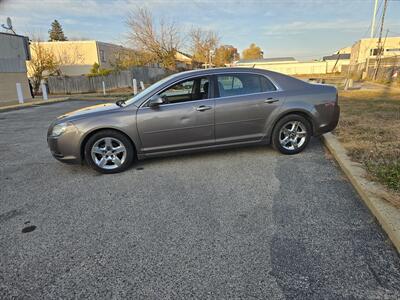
329,125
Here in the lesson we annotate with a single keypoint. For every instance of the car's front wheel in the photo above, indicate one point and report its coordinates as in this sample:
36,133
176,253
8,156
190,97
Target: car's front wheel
109,151
291,134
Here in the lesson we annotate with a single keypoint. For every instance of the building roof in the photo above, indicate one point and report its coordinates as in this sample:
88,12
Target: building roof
344,50
377,38
267,60
185,54
12,34
337,56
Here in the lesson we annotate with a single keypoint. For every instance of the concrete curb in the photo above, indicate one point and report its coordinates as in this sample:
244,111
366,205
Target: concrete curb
51,101
33,103
373,194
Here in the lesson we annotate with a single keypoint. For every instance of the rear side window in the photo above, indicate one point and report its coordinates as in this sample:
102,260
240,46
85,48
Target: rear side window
243,84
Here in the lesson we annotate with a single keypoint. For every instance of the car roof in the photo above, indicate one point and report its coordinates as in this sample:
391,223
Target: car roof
283,81
221,70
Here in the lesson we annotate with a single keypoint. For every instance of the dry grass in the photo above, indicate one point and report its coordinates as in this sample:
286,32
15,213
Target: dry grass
369,129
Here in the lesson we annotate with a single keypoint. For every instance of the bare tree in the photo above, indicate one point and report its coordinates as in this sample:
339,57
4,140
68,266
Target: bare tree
43,61
203,42
158,42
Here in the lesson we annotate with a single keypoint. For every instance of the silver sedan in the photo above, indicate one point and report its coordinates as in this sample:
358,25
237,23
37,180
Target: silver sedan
197,110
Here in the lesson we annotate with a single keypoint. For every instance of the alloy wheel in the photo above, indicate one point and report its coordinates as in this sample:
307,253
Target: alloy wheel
108,153
292,135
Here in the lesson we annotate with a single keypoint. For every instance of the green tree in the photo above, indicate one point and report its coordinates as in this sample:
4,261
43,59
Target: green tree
97,71
253,52
95,68
56,32
225,55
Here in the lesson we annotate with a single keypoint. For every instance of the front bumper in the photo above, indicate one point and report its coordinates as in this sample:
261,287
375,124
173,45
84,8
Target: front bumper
66,147
59,154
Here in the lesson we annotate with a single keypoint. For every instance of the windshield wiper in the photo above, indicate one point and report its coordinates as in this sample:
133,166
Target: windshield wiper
120,102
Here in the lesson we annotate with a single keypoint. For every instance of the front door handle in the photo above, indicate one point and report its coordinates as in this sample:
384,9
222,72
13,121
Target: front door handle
203,108
271,100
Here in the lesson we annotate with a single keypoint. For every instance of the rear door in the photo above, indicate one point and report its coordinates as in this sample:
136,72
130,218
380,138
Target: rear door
185,120
244,104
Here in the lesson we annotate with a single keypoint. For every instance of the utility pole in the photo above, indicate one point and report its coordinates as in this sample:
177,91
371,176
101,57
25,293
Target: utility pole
373,19
380,50
379,58
371,36
210,54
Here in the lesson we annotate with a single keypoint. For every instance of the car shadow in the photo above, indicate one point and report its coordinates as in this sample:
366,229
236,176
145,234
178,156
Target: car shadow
206,156
215,154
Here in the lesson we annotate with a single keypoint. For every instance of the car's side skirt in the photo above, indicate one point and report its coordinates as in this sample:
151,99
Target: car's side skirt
200,149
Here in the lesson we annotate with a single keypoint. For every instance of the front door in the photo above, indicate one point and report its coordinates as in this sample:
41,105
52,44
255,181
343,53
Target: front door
184,120
244,104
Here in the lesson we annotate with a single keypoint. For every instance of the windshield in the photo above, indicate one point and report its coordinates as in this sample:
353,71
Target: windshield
149,90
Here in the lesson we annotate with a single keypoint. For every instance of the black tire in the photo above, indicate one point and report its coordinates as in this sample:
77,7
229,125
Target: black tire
125,159
277,134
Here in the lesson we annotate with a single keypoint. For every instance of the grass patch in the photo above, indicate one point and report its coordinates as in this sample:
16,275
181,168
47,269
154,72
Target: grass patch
369,129
388,173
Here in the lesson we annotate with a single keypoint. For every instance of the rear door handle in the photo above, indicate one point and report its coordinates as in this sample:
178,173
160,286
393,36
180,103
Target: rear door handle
203,108
270,100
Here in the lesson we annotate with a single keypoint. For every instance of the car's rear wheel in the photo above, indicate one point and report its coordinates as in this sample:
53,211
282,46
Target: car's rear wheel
109,151
291,134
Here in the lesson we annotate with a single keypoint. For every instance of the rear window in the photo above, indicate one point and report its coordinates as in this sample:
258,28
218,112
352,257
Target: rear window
243,84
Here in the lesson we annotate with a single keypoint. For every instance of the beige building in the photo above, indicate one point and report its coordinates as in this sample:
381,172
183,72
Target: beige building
344,50
78,57
368,48
290,66
183,61
14,51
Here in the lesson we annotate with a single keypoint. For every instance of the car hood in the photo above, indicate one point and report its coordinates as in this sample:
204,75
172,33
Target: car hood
89,111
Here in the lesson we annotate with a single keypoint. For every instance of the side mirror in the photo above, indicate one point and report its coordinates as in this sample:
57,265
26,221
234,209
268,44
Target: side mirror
155,101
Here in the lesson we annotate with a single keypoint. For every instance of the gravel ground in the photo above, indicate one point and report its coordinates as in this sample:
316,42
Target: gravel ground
242,223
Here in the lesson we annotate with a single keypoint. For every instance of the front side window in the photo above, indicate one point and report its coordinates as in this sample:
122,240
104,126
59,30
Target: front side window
187,90
243,84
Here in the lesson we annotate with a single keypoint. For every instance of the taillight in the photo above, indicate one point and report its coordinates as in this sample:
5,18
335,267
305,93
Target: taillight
330,104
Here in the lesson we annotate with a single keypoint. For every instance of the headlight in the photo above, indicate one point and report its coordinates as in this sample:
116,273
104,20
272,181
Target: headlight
59,129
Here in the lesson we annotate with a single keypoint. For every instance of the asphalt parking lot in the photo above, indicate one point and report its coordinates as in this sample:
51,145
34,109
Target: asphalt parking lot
243,223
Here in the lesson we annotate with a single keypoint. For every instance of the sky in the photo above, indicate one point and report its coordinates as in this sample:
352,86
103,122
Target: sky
305,29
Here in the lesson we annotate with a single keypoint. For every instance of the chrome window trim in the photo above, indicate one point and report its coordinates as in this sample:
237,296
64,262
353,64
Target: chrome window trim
241,95
209,74
277,87
185,102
